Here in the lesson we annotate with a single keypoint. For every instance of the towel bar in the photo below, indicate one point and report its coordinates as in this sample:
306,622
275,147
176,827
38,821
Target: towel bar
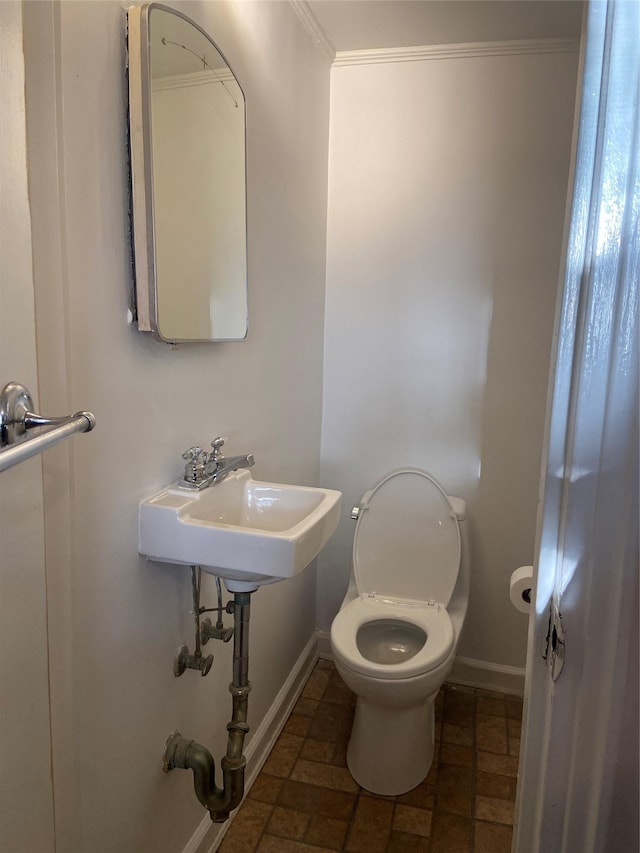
17,417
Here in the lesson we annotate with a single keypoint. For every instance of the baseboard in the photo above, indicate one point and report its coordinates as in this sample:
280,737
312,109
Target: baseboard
487,676
208,836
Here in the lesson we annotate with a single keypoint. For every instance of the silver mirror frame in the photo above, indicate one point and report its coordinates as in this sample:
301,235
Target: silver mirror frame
144,301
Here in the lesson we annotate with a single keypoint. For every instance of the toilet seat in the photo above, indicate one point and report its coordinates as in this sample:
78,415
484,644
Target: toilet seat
429,616
407,540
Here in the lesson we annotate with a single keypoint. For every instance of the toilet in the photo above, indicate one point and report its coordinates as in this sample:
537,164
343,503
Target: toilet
397,631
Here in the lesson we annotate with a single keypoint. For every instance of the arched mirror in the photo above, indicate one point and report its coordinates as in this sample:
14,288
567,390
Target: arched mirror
188,174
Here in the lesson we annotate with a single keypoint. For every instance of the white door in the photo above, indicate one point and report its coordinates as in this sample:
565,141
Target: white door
26,795
578,786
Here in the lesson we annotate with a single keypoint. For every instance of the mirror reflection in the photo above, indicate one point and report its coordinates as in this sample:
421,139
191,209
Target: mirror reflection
192,256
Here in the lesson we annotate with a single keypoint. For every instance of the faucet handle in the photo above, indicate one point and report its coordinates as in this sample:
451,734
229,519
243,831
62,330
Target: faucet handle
193,453
196,462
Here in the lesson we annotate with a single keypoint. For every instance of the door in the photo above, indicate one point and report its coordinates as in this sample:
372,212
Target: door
578,785
26,793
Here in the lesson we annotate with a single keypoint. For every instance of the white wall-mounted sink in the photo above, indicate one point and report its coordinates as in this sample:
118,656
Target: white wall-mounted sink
243,530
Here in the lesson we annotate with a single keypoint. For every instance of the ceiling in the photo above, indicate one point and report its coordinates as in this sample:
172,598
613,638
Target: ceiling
369,24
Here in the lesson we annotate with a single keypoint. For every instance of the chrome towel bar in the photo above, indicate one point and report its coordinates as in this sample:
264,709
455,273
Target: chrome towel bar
17,417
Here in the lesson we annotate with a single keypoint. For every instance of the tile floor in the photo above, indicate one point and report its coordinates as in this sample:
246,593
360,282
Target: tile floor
305,800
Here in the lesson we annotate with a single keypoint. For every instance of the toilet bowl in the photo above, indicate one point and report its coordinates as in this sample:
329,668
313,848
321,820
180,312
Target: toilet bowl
397,631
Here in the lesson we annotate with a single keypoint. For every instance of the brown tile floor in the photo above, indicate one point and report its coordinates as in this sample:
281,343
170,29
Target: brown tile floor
305,800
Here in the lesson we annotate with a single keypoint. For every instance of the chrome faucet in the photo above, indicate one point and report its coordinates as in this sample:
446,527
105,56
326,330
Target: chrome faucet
204,469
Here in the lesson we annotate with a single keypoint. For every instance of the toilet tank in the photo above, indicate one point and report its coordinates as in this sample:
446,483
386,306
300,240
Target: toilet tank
459,506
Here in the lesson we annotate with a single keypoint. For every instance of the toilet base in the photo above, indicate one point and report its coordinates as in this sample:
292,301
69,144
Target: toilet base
391,748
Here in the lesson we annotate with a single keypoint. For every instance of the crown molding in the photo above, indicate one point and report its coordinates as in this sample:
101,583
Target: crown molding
313,28
456,51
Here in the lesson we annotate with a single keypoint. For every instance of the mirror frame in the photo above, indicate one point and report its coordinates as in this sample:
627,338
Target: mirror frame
144,301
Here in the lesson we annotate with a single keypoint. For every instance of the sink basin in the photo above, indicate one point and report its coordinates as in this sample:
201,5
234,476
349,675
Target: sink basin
243,530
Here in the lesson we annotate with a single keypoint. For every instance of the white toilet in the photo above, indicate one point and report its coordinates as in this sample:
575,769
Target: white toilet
396,635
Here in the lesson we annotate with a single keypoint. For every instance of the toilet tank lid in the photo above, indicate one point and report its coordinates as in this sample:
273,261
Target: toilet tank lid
407,540
459,506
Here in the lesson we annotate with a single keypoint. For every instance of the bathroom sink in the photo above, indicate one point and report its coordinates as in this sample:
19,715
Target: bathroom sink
245,531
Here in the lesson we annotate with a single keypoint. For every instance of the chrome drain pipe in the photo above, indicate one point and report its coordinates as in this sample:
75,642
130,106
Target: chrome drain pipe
186,754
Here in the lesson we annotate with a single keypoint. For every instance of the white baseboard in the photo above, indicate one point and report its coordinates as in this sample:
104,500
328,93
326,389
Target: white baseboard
487,676
466,671
208,836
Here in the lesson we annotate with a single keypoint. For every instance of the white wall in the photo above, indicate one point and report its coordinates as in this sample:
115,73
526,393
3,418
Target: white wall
447,187
115,620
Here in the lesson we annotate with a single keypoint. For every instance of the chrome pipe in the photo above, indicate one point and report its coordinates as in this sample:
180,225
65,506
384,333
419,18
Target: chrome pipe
241,613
